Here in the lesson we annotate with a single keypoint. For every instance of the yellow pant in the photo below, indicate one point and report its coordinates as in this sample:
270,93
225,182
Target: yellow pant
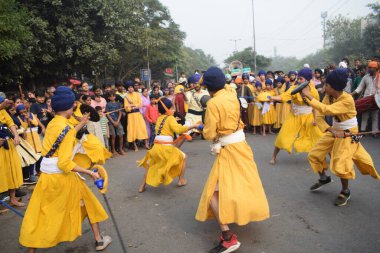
343,156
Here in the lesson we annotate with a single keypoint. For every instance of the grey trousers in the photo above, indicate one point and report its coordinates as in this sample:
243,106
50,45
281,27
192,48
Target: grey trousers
375,120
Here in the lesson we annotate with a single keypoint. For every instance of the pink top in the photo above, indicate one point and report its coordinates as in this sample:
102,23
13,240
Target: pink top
152,114
102,103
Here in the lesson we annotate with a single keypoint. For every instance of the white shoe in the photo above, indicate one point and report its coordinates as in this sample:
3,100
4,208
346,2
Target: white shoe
101,245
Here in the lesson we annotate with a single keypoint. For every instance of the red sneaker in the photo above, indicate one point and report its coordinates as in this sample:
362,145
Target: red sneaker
226,246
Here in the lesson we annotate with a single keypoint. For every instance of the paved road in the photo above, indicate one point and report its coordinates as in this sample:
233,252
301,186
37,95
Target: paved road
162,219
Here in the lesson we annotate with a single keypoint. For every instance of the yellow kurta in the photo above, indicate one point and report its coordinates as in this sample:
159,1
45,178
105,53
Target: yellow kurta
241,195
269,118
257,119
59,202
343,153
136,128
195,106
164,162
95,151
10,163
298,130
31,133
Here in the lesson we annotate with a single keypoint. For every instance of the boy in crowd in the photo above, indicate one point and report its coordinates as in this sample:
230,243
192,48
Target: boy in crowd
115,127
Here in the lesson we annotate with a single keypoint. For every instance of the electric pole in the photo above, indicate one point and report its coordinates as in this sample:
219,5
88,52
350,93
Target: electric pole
236,40
324,16
254,38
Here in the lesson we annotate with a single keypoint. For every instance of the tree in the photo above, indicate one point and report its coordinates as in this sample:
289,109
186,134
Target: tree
15,37
246,58
193,59
284,63
371,34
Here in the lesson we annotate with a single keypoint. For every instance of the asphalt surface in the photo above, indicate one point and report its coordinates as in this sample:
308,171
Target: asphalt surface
162,219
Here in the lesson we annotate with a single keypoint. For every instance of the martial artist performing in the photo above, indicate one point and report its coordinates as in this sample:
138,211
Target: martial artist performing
299,128
344,150
61,199
165,160
233,192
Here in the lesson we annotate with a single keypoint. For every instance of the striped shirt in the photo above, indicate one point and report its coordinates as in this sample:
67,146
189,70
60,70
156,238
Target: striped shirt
104,124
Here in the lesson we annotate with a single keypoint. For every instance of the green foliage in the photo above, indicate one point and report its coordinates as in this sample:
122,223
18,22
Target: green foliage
192,59
284,63
15,36
371,35
246,58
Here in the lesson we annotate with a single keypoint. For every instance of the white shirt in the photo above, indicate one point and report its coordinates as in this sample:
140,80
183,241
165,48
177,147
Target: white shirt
369,84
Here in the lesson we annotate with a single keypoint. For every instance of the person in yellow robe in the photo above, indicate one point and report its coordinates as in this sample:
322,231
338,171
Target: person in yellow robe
165,161
93,152
269,116
279,89
61,199
10,162
336,140
233,192
195,110
247,80
30,123
257,118
299,128
136,128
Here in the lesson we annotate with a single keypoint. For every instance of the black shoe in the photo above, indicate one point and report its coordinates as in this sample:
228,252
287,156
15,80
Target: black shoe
226,246
342,198
20,193
320,184
29,181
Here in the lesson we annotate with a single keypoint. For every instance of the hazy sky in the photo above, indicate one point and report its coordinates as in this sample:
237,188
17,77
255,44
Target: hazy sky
292,26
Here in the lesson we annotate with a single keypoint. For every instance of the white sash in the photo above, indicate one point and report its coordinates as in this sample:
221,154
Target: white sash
344,125
301,109
236,137
164,138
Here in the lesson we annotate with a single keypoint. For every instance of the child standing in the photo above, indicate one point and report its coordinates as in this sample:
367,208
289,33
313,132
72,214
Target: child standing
95,128
257,119
151,115
115,127
105,129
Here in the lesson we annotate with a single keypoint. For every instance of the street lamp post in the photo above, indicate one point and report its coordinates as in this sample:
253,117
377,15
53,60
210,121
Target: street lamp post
236,40
254,37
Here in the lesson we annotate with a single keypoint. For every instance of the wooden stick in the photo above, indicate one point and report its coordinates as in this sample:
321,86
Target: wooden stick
114,111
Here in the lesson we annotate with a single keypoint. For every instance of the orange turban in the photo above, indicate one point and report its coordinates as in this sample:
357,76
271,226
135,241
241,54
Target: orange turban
238,80
373,64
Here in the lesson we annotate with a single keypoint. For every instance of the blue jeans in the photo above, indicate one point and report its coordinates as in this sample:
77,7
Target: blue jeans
152,134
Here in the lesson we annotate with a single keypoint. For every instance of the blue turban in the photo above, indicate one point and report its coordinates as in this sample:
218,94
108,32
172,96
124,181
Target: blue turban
214,79
268,81
258,84
63,99
167,103
20,107
337,78
280,80
306,73
262,72
128,84
194,78
245,76
2,100
292,72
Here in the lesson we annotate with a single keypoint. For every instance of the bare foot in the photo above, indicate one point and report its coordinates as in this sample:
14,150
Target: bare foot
147,146
115,154
2,211
182,182
121,152
142,188
272,161
14,202
264,134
